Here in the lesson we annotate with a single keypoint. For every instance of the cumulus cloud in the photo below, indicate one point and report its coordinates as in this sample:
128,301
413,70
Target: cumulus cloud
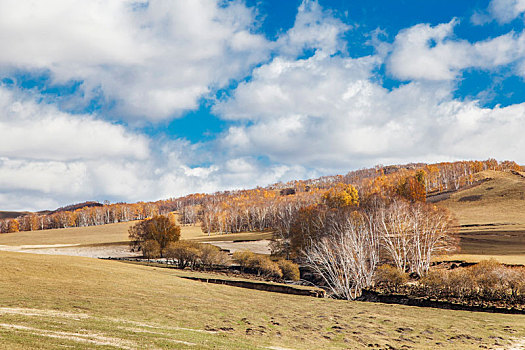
330,112
434,53
503,11
152,59
310,110
33,130
49,158
314,27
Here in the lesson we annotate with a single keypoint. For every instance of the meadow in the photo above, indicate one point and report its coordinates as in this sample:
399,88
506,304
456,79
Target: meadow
491,216
50,302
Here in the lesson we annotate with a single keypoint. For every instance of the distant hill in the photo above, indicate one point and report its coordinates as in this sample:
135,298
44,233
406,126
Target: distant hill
12,214
73,207
498,197
491,213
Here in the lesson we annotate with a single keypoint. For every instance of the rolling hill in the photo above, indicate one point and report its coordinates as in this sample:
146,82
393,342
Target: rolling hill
491,214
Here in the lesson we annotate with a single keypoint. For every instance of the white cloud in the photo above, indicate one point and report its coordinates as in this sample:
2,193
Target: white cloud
327,112
40,131
330,113
505,11
154,59
434,53
49,158
314,27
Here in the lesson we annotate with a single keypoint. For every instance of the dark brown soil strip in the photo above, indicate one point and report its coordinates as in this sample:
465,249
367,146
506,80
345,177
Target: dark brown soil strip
372,296
276,288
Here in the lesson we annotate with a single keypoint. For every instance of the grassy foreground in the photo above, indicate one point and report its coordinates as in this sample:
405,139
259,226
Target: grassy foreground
50,302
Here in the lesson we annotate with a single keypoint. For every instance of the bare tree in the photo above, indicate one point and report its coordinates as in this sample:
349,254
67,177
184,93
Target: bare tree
393,224
432,232
347,256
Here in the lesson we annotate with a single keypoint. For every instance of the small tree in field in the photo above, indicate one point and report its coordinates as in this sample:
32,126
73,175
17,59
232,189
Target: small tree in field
159,229
212,256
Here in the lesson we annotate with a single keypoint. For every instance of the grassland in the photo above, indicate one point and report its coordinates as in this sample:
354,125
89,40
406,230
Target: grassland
112,233
491,216
50,302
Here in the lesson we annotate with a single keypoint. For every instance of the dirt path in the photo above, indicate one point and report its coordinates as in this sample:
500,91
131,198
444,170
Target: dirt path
94,251
259,247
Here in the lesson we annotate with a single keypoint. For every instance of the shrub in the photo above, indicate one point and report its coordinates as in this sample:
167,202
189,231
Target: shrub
514,280
211,255
265,266
289,269
434,281
150,249
185,253
243,258
390,277
486,275
262,264
488,279
460,282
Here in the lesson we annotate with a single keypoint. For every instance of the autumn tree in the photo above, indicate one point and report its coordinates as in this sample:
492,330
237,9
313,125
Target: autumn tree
307,227
159,229
341,196
413,188
150,249
13,226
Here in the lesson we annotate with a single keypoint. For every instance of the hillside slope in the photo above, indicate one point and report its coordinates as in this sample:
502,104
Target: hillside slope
491,214
498,199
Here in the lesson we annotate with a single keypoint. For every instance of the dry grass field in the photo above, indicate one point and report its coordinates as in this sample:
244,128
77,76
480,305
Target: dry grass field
112,233
112,240
50,302
492,218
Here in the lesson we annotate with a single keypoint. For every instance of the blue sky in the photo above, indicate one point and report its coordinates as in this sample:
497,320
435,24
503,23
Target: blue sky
130,100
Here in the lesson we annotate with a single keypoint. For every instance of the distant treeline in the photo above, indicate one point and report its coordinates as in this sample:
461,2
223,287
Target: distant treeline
269,208
273,207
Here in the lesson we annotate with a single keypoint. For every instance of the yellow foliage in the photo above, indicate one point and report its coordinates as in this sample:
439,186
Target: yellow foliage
341,196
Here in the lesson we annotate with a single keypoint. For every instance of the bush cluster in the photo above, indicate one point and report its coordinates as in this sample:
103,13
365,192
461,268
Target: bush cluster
390,277
488,280
187,254
264,266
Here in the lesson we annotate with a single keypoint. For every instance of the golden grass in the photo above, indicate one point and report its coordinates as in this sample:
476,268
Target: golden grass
76,235
492,217
474,258
49,302
111,234
499,200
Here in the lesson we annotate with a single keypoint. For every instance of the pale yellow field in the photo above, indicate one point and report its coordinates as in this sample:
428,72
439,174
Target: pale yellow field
52,302
111,233
492,218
